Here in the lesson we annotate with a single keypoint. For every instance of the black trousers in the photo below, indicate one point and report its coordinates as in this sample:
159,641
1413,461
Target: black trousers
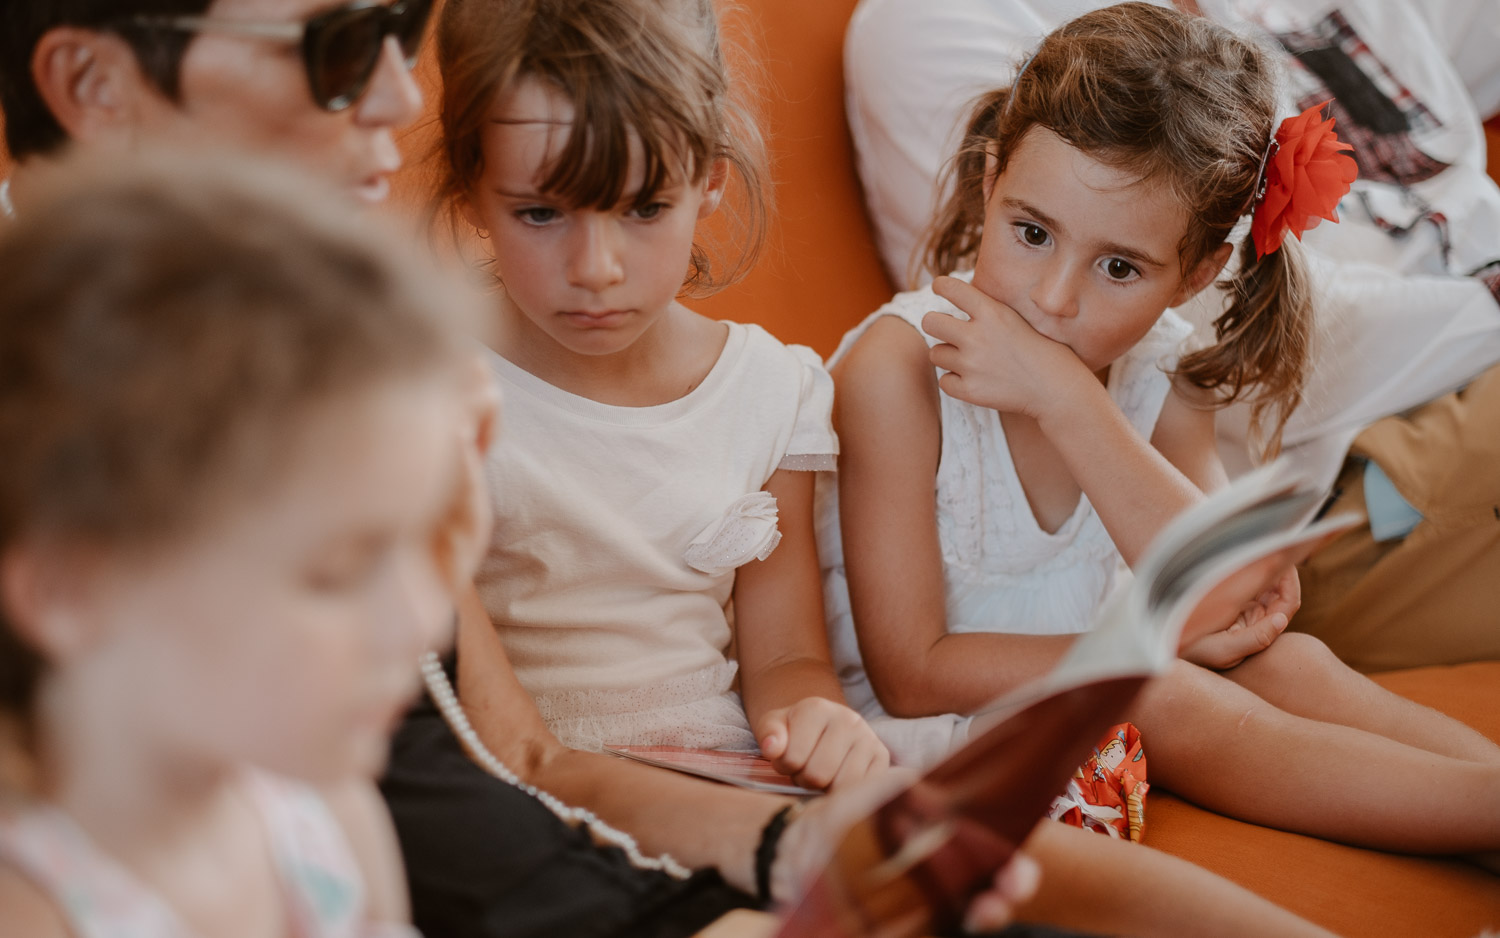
486,860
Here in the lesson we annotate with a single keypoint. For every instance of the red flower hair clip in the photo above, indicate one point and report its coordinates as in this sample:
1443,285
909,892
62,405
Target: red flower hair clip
1307,171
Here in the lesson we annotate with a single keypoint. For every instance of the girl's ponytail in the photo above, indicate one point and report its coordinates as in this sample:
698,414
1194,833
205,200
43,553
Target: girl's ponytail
1262,341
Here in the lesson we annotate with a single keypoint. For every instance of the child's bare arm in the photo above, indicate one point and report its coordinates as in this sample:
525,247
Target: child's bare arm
702,824
792,697
886,413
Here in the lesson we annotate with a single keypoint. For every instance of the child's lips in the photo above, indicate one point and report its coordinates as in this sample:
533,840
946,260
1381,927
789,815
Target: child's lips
596,318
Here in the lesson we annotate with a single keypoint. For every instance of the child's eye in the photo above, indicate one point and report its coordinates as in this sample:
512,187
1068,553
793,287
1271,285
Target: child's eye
342,578
1034,235
537,215
346,570
1119,270
649,211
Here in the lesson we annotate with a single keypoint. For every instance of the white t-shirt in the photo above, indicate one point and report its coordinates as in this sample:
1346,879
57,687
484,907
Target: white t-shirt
618,531
1400,318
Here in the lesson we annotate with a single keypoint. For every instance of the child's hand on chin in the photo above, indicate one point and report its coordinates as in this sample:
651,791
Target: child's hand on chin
996,359
821,744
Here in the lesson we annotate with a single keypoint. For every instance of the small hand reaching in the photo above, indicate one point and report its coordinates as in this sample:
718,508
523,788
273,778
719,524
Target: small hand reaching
821,744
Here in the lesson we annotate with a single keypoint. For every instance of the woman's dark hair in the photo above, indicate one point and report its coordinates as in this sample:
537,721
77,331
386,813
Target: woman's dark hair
30,127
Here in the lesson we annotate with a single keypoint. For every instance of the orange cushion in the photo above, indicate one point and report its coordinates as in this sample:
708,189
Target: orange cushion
1492,139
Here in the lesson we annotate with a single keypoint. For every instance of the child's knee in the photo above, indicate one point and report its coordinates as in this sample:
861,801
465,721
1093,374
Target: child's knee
1296,661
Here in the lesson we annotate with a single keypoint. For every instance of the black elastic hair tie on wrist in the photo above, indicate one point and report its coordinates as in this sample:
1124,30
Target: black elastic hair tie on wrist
765,852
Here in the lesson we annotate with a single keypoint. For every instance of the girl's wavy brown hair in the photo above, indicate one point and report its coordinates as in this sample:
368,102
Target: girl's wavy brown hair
1177,100
652,70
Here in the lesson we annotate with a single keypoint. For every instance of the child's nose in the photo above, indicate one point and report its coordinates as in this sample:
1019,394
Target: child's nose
594,261
1055,292
415,611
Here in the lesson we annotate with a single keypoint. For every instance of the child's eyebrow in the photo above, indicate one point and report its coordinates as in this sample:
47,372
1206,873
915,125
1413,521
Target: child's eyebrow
522,121
1105,247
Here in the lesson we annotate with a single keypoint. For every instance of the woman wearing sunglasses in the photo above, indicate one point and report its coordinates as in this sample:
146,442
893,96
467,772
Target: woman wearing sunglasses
324,84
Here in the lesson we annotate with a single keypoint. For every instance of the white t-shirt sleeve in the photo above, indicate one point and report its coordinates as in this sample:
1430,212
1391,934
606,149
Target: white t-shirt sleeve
814,447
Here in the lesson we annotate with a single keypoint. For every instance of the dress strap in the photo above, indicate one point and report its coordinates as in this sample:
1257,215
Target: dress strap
98,897
324,888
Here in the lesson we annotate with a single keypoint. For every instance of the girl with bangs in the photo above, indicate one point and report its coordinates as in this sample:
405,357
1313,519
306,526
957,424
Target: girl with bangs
654,575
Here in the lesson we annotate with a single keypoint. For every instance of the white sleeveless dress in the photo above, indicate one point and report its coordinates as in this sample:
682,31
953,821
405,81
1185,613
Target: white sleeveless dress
1002,572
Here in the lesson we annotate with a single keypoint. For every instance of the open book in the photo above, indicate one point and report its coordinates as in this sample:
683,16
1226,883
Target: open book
937,843
743,769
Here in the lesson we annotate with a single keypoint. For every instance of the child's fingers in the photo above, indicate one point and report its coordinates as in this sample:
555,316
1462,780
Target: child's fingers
946,357
952,384
943,326
773,735
1224,650
1015,884
801,739
866,758
965,296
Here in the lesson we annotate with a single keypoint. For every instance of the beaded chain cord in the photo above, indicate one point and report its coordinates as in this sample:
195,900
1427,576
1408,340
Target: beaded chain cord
447,702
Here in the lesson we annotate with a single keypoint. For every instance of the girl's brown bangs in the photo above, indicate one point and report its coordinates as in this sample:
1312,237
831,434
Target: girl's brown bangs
595,165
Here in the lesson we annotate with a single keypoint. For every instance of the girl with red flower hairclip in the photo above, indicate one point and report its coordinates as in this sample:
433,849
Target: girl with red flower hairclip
1014,436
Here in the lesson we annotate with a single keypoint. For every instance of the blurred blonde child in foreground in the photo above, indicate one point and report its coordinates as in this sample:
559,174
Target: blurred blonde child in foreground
240,482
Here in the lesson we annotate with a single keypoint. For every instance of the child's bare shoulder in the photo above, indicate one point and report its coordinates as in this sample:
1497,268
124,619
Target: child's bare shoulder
890,347
886,385
26,910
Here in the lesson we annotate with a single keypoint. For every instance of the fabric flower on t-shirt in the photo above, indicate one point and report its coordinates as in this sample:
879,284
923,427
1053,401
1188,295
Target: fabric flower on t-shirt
746,531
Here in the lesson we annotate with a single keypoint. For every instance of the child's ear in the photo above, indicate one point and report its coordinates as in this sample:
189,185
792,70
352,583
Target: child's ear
713,187
470,213
1202,275
39,599
93,85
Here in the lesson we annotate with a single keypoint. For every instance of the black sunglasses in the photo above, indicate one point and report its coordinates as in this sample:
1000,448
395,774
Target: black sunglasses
340,47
